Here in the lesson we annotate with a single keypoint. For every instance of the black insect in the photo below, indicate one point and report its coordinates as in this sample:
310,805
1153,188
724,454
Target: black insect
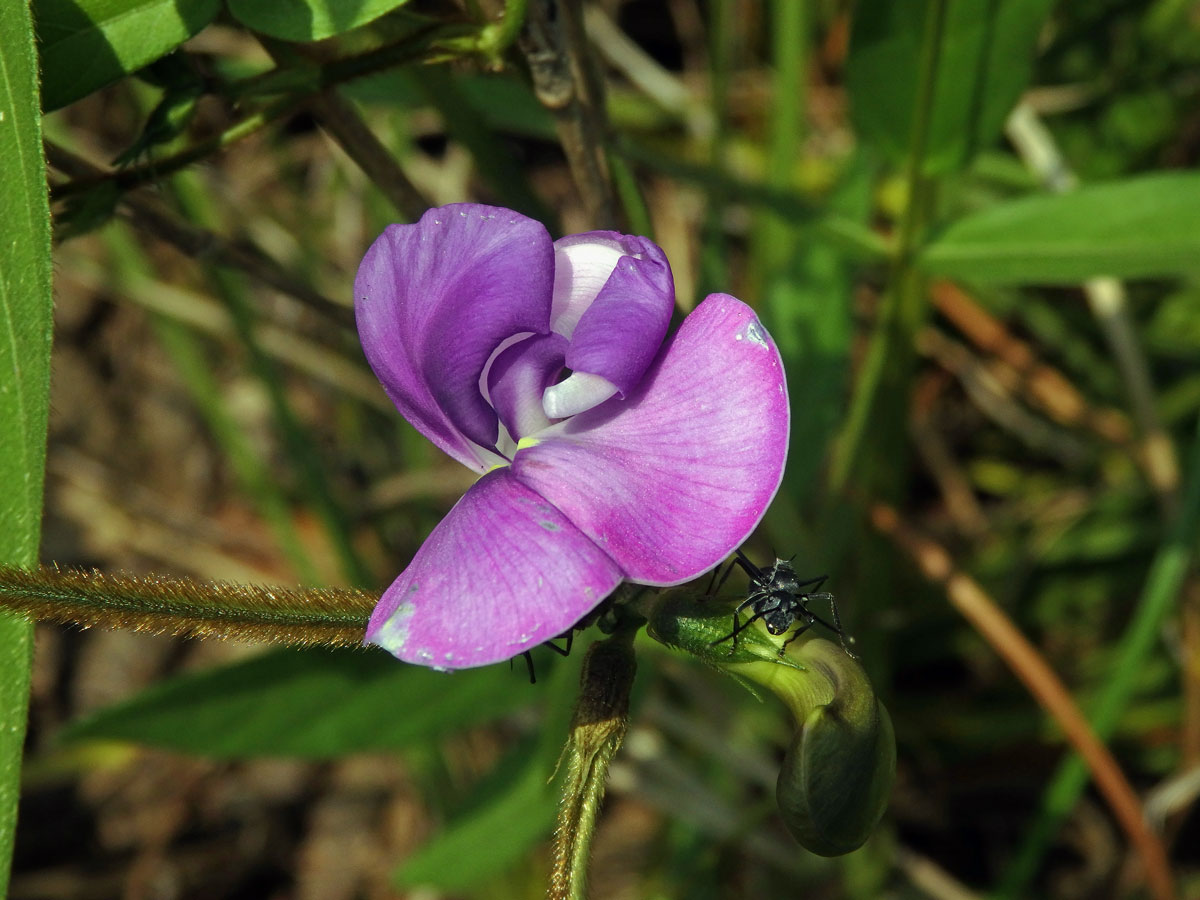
596,615
780,599
561,651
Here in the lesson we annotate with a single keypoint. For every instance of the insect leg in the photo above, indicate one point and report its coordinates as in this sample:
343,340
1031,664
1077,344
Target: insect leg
569,636
738,628
814,583
748,567
795,634
836,627
719,584
841,632
529,664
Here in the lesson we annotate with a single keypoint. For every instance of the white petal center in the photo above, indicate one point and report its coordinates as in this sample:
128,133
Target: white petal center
578,392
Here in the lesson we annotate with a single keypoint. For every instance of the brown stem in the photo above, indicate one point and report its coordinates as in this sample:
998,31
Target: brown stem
345,125
296,84
1046,386
555,47
965,594
338,117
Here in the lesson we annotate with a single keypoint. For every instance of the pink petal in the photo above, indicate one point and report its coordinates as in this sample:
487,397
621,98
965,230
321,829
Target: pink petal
670,480
519,376
434,300
503,572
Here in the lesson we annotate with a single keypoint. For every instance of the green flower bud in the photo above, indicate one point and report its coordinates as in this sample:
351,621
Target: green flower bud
838,770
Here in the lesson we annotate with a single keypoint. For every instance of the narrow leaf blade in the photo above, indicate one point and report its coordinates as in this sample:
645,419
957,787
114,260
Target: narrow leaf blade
985,62
308,20
478,846
1140,227
510,811
25,328
313,704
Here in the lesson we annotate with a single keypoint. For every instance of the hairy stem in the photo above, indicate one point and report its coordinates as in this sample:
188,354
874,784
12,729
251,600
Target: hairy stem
597,730
188,608
555,48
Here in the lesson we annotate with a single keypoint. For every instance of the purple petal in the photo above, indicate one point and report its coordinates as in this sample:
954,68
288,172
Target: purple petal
434,300
582,264
519,376
619,335
670,480
501,573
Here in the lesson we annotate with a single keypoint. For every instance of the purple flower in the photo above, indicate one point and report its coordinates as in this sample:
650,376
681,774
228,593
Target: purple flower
648,462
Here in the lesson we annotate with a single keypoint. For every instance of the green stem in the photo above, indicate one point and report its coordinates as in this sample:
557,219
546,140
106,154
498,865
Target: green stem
498,37
633,204
892,353
714,253
1158,598
135,176
776,237
597,730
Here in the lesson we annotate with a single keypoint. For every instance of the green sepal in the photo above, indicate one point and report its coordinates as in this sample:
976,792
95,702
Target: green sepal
701,627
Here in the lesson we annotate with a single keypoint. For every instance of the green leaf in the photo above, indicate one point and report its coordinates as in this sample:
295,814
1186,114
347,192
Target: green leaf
86,44
25,328
476,846
509,812
308,20
1137,228
306,703
985,62
810,303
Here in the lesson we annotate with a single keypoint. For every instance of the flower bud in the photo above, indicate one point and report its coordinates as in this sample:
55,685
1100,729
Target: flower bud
838,770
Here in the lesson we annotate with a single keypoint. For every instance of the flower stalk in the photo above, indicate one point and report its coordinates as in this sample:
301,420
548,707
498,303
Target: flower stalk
887,368
597,731
187,608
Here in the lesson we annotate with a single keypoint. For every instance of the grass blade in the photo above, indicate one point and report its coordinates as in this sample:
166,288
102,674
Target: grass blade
25,329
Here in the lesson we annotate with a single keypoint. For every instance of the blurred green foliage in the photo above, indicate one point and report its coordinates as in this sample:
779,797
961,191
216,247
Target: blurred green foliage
926,261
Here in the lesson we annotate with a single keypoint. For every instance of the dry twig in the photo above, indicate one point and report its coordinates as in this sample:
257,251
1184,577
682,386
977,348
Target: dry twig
966,596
